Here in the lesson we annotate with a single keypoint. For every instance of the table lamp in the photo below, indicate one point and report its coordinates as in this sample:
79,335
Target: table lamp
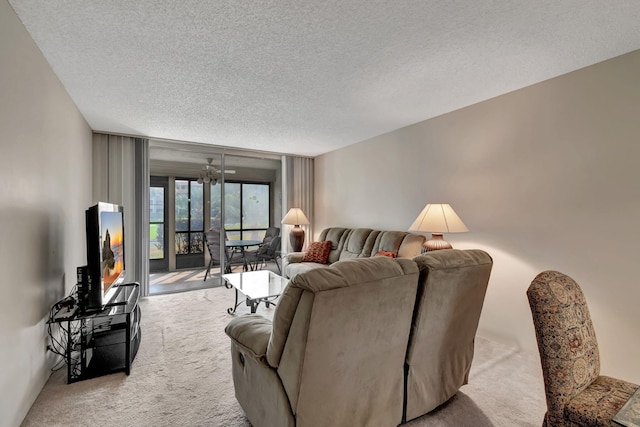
296,217
438,219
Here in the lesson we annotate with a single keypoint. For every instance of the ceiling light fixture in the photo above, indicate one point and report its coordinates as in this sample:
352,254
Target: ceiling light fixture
210,173
208,176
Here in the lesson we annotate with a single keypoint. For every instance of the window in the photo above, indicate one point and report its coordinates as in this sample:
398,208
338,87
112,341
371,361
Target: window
156,222
247,209
189,217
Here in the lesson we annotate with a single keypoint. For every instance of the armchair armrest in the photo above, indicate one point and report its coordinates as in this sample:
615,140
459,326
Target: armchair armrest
251,333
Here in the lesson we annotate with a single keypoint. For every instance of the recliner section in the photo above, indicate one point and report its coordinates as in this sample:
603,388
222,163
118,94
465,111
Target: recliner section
453,284
367,341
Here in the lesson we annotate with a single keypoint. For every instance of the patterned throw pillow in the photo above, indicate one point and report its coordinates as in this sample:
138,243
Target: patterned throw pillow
318,252
386,253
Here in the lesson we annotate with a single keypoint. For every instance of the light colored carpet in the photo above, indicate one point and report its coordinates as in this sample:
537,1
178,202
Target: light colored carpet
182,377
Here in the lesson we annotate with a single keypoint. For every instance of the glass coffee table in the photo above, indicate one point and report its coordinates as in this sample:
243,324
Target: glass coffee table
257,286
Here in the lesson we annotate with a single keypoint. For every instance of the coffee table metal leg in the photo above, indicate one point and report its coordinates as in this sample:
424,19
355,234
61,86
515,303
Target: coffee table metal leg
267,302
254,304
233,309
270,301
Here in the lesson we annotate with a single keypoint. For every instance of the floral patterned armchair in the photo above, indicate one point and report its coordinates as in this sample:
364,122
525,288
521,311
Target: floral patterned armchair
576,393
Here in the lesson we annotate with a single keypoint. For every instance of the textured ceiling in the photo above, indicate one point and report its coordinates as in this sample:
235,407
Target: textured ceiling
303,77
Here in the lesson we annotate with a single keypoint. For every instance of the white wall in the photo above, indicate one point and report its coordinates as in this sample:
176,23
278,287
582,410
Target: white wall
547,177
45,186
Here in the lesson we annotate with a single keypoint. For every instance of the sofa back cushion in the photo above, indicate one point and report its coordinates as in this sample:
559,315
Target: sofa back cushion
411,245
337,236
451,292
339,340
389,241
348,243
359,243
403,244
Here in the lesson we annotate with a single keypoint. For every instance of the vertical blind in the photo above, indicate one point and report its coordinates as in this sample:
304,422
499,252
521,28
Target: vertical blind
298,192
121,176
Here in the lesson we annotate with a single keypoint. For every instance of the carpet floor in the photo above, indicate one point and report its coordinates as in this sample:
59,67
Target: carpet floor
192,279
182,377
182,281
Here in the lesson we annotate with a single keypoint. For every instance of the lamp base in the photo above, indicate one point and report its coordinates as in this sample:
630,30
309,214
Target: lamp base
296,238
436,243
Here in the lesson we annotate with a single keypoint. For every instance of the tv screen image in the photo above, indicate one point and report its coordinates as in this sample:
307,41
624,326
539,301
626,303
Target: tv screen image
105,254
111,227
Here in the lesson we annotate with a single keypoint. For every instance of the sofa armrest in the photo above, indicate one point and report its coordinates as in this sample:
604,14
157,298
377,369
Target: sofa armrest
293,257
251,333
290,258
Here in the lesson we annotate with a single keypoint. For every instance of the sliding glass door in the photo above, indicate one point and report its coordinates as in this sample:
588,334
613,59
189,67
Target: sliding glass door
189,223
187,201
158,224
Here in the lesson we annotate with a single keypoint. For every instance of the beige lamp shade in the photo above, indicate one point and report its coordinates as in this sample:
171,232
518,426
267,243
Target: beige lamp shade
295,217
438,219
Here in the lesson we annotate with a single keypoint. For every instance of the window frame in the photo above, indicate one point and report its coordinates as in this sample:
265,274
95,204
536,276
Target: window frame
189,232
242,230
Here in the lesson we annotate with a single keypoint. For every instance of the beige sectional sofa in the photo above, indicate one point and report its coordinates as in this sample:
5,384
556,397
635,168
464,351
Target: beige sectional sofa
363,342
349,243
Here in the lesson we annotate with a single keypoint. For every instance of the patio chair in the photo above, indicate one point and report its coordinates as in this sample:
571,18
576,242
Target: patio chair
212,241
262,256
252,256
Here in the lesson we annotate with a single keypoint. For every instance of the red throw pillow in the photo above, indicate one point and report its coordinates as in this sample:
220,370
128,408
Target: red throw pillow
386,253
318,252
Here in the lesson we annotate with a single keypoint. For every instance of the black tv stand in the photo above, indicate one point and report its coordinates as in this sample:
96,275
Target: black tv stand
114,304
106,340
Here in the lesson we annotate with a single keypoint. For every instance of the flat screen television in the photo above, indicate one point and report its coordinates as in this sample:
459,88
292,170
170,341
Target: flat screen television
105,254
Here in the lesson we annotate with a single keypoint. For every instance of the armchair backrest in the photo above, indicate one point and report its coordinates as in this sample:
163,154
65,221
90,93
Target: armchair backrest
566,340
451,293
339,338
274,246
268,250
270,234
